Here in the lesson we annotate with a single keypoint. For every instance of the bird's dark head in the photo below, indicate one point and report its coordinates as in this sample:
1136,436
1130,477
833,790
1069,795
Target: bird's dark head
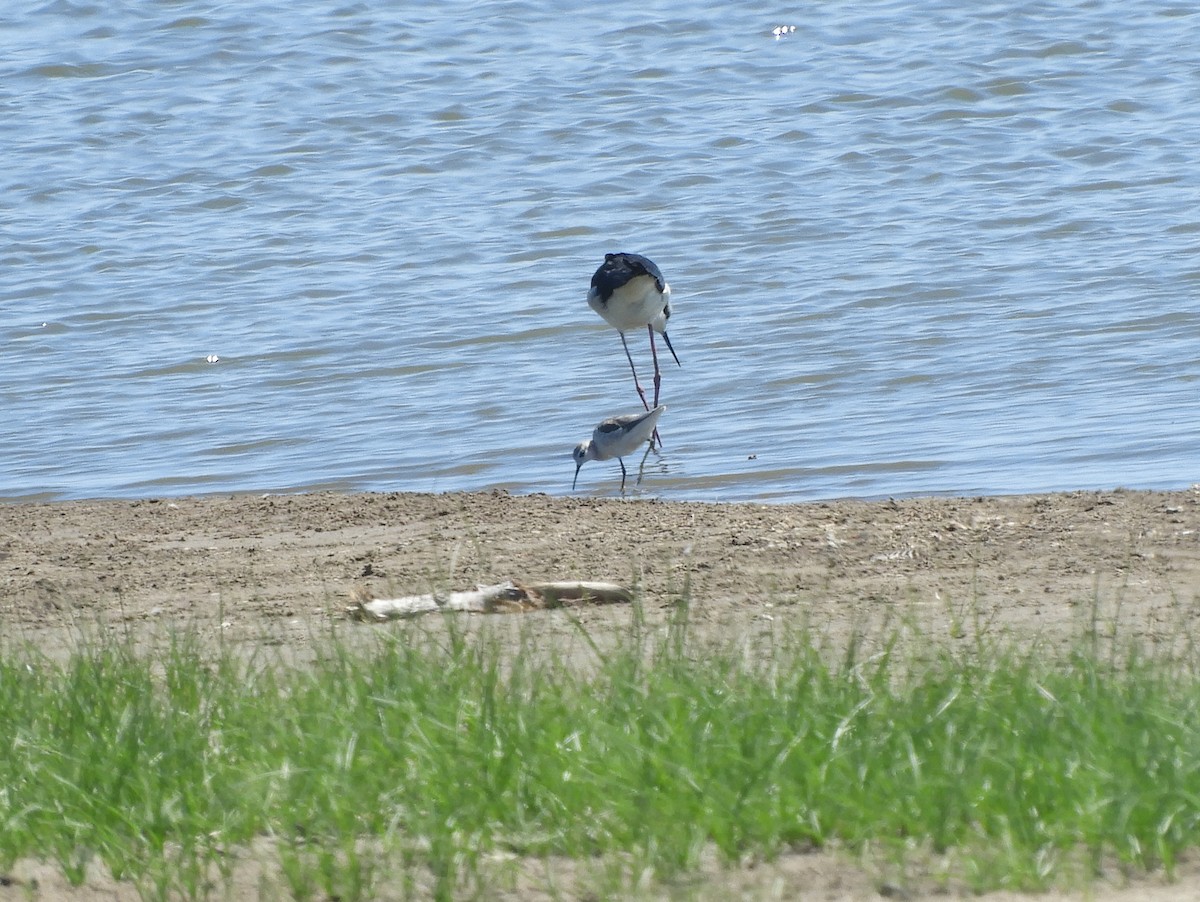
618,269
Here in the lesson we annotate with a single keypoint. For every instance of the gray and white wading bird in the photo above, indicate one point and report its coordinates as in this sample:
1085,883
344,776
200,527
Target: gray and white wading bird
616,437
629,291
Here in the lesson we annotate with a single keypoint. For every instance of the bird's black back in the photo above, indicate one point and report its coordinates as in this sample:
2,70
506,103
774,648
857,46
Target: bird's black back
618,269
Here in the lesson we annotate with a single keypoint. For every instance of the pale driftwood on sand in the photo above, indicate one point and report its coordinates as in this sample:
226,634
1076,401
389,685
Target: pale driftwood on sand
504,598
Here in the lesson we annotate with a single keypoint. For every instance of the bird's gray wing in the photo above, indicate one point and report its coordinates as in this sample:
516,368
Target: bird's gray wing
622,423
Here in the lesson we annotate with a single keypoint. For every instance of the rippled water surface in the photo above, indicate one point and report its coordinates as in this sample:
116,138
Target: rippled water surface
915,248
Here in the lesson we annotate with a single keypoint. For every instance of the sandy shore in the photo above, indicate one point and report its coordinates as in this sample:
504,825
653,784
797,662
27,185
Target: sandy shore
280,569
274,566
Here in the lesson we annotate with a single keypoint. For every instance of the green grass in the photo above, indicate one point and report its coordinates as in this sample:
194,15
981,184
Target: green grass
434,750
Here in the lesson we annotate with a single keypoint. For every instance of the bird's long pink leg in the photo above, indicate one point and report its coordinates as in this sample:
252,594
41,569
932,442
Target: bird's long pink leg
657,384
632,369
657,374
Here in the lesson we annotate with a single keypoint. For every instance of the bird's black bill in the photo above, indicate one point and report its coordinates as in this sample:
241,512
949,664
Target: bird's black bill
671,349
576,479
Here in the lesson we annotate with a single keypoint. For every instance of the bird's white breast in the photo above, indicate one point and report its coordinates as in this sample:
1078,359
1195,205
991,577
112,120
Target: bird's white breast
635,305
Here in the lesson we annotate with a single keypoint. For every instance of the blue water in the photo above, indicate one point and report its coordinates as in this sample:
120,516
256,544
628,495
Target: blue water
914,248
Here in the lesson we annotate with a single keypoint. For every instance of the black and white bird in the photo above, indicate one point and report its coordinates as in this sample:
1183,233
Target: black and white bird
616,437
629,291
